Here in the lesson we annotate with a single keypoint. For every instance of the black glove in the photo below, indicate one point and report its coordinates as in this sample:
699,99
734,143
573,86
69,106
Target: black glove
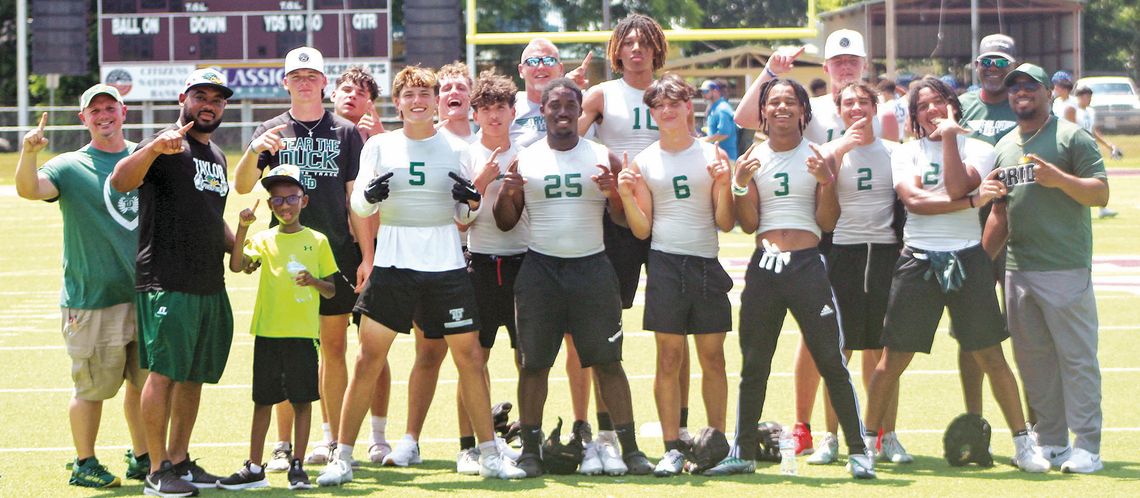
463,191
377,189
500,417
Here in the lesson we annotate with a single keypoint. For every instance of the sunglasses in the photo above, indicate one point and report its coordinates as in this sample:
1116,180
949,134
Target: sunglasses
997,62
1029,86
278,201
545,60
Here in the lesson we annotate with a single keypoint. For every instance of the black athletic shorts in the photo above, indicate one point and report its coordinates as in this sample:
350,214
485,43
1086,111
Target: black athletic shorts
686,295
441,302
576,296
494,280
345,298
860,275
627,253
917,303
285,368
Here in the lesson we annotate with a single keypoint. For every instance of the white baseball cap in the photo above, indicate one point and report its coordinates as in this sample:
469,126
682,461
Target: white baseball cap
844,42
304,58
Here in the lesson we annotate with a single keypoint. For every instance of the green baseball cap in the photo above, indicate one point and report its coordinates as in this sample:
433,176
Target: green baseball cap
99,89
1031,70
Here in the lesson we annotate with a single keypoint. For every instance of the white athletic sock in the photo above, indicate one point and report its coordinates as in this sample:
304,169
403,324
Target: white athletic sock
255,468
379,424
327,429
487,448
344,452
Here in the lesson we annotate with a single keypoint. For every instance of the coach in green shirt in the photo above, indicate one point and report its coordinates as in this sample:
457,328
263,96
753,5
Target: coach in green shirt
99,242
1049,293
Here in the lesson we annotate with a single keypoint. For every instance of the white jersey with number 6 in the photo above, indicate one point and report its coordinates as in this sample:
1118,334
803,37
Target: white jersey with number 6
683,218
563,203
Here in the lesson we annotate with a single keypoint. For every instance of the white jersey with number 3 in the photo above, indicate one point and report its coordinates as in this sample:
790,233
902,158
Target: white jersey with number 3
683,218
626,126
787,190
563,203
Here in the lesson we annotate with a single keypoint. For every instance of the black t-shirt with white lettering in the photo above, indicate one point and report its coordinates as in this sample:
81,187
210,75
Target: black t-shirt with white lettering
328,157
182,235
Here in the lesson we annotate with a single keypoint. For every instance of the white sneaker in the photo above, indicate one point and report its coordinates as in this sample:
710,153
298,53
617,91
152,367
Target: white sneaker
506,450
378,451
407,452
828,451
893,450
1056,455
499,467
1082,462
282,457
320,455
591,460
612,462
337,472
861,466
467,462
1027,455
670,465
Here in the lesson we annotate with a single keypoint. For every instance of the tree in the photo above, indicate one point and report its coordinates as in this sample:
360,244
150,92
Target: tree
1110,38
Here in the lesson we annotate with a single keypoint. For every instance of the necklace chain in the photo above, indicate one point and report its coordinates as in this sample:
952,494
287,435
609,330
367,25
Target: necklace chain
308,128
1022,144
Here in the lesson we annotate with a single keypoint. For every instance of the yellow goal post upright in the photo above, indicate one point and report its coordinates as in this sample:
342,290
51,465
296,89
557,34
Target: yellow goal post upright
475,38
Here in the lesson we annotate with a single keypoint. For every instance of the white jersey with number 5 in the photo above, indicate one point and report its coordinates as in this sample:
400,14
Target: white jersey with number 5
417,220
626,126
787,190
683,218
563,203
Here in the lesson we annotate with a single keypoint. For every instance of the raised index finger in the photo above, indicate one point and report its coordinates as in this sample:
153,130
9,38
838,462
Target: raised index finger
747,153
815,149
798,52
185,128
586,60
277,129
494,154
514,166
43,122
255,203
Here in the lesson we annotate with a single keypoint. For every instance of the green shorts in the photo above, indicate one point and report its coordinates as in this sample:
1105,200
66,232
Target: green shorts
185,336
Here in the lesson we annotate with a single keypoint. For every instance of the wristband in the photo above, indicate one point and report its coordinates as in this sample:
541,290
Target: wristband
738,190
770,73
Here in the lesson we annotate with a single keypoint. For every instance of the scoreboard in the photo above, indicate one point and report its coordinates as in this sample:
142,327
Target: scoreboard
165,36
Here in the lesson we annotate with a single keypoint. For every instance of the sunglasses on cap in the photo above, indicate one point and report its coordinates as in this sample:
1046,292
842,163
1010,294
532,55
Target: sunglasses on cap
998,62
546,60
278,201
1029,86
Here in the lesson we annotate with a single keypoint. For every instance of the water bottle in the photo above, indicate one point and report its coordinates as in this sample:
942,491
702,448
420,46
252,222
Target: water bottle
787,453
300,293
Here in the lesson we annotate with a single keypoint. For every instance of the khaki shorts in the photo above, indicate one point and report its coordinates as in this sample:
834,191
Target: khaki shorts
103,346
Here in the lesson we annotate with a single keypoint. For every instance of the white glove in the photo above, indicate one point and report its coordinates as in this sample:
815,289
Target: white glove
773,260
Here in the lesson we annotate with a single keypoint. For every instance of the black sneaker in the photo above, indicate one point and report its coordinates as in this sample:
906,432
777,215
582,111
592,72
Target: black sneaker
530,463
298,479
637,463
245,478
189,471
167,482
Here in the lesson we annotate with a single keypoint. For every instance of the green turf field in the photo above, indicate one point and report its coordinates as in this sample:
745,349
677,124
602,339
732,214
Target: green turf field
35,442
